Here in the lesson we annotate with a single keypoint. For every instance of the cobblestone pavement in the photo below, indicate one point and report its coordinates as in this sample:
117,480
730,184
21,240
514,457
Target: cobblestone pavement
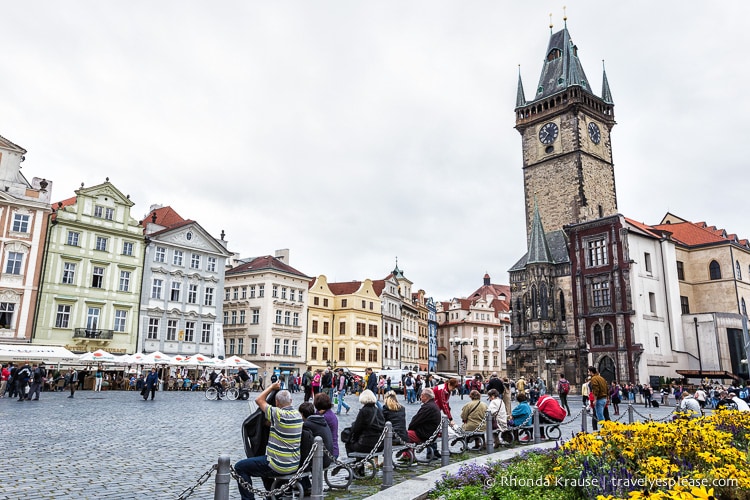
115,445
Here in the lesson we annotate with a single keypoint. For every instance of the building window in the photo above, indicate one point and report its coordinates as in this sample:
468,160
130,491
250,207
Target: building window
208,296
364,304
277,346
316,301
235,293
242,317
743,307
240,346
714,270
211,264
13,266
120,320
20,223
175,292
160,255
231,346
153,329
275,291
295,319
278,316
243,293
739,270
295,348
253,346
127,248
73,238
325,302
342,328
343,302
256,316
97,277
189,331
171,330
315,326
287,317
359,354
680,270
291,294
156,288
283,292
286,347
647,262
101,243
325,328
226,317
261,291
300,296
69,273
684,305
342,354
109,213
652,302
124,281
92,318
98,211
234,317
597,252
252,291
372,355
598,337
192,294
600,294
609,338
206,333
63,316
177,258
313,352
372,330
361,328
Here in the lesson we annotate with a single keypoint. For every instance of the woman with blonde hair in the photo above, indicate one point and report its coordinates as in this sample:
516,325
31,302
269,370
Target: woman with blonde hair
395,413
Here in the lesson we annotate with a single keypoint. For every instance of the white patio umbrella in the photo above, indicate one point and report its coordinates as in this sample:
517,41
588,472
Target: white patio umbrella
156,358
201,360
238,362
98,356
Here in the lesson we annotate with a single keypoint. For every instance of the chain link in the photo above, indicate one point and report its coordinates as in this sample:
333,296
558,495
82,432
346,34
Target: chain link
284,487
201,480
573,418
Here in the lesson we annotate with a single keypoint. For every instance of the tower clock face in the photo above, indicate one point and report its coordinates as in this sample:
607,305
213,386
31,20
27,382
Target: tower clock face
548,133
594,133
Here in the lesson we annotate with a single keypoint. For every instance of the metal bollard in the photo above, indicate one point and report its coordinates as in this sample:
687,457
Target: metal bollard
316,492
537,431
585,421
630,414
445,455
221,491
489,438
388,457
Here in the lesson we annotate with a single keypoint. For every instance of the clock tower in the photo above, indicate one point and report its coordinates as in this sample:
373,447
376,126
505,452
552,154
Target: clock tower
567,153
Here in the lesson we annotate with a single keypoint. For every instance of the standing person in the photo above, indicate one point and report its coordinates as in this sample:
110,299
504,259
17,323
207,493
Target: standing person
541,385
284,440
98,378
381,388
324,407
495,383
4,376
37,380
614,396
82,378
411,396
307,379
316,380
341,388
442,393
585,389
72,381
520,386
563,388
10,388
151,380
372,381
326,382
600,389
22,380
418,384
507,395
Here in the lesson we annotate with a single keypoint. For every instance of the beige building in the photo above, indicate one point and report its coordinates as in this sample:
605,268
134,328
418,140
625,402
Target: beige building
344,325
24,207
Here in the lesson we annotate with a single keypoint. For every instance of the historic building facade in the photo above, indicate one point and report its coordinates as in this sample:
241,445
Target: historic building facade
387,290
265,313
24,209
183,277
91,281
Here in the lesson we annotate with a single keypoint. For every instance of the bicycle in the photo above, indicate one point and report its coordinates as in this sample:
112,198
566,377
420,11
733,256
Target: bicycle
212,393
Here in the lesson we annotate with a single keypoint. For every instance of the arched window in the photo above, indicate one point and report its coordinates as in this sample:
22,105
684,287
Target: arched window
544,300
534,303
598,335
561,305
609,338
744,308
739,270
607,369
714,270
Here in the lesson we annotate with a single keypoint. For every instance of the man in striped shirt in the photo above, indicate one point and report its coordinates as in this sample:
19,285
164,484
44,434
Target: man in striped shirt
284,440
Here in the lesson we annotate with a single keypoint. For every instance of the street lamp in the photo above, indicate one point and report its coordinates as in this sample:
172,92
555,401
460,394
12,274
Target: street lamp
457,341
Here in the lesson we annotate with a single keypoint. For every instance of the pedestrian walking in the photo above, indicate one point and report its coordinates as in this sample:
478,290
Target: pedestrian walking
341,390
563,388
98,378
307,379
4,376
22,381
37,380
72,381
151,380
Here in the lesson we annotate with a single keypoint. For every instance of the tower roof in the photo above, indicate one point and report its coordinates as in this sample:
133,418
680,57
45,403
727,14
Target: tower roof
606,93
538,247
520,96
562,68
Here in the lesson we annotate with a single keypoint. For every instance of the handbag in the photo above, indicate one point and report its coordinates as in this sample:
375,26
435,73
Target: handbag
346,434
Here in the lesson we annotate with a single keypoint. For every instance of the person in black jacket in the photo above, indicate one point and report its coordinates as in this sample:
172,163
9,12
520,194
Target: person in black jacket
396,415
372,381
318,426
426,420
495,383
368,426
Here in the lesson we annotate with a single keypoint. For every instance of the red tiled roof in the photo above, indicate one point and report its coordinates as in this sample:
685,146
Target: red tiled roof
6,144
345,288
265,262
643,227
165,216
378,286
690,234
62,204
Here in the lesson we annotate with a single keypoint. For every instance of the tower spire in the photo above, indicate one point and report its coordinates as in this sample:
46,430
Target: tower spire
520,97
539,251
606,93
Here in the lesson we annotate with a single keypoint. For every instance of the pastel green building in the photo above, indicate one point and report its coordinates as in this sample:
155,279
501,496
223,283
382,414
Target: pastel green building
91,277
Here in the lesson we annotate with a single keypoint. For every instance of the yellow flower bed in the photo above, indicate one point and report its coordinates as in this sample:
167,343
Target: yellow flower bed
698,458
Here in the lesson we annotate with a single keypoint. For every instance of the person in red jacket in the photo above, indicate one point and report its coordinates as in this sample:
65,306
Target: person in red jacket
442,393
550,411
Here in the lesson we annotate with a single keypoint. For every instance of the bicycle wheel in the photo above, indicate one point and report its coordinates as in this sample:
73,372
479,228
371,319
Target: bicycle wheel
232,393
338,477
212,393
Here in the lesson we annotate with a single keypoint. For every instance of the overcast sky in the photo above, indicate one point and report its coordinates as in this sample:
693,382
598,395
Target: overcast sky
355,132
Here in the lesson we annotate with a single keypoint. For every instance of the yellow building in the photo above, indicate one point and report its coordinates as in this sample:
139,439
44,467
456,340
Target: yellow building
344,325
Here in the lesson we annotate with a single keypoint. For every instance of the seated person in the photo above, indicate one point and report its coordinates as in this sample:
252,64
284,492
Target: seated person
394,413
426,420
550,411
690,407
732,402
318,426
473,415
521,414
368,426
497,409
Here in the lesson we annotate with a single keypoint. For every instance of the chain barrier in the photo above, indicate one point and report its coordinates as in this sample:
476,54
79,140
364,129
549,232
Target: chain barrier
201,480
281,489
573,418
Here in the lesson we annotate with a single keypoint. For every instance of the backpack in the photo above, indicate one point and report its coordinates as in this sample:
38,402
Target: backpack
744,394
408,382
564,387
212,377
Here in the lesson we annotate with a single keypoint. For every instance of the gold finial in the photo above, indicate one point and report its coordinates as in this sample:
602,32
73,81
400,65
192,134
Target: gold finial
550,22
565,14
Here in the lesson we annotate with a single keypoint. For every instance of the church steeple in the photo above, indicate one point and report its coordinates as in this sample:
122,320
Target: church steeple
562,68
539,252
606,93
520,97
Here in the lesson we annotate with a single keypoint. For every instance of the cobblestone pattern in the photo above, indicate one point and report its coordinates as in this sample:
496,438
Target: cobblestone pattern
115,445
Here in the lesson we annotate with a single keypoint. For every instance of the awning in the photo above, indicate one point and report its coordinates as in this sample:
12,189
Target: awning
723,375
32,352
